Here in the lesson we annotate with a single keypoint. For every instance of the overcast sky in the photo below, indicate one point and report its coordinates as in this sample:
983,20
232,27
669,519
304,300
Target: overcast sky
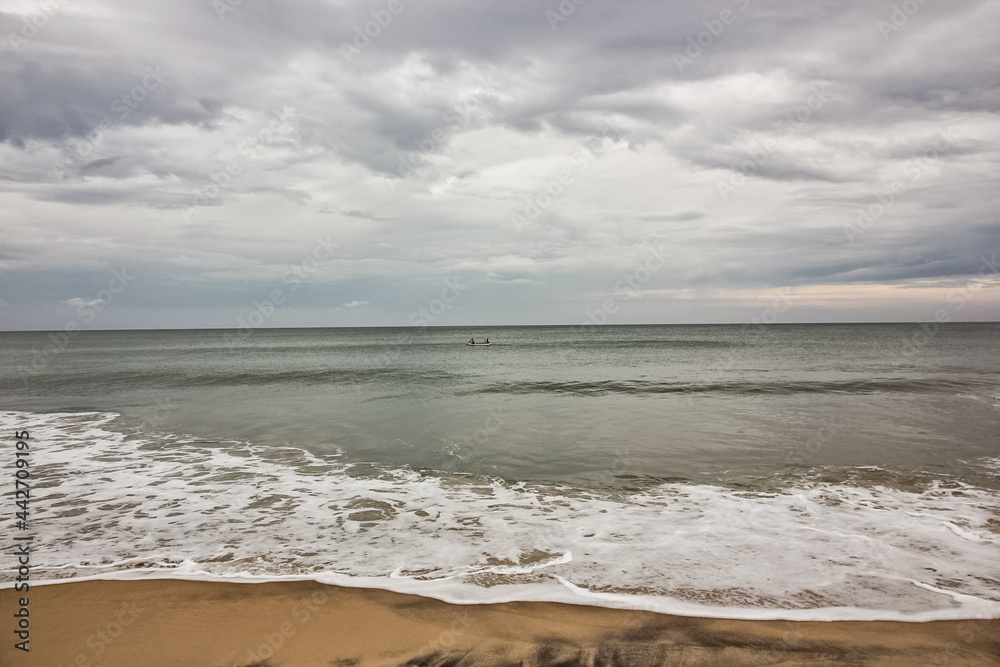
186,163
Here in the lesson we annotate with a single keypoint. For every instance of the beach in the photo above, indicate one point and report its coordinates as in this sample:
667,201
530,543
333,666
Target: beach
541,333
319,496
307,624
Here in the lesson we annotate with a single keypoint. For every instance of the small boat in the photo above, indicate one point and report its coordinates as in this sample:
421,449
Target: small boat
478,344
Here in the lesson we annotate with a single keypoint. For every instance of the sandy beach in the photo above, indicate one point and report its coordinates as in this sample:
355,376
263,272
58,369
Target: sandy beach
305,624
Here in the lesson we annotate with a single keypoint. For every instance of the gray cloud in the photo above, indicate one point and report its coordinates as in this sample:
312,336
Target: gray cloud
769,144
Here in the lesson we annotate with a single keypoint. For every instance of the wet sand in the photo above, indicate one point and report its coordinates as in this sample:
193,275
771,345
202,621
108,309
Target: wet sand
305,624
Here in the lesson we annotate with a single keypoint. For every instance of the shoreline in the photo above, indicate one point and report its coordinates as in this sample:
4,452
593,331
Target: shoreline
292,623
568,594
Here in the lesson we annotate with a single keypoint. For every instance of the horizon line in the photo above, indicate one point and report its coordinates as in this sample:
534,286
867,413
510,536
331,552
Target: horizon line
499,326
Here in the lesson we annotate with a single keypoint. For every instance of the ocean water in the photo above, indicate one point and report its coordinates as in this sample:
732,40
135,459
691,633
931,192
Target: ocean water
782,471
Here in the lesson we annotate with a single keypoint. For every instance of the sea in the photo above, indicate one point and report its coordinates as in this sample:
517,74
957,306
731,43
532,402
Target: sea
802,472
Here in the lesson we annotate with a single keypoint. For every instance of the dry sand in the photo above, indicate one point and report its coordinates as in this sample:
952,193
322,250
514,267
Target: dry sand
305,624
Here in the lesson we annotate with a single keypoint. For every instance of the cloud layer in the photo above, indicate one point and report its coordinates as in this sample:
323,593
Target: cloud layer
350,157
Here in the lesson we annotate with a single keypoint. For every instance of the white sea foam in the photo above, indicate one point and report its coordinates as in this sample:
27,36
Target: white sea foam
105,505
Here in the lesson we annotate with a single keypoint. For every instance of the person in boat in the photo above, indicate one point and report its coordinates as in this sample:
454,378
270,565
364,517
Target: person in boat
472,341
487,341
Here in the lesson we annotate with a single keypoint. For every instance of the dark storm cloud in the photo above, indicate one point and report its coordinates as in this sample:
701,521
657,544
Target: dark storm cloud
96,165
101,196
776,167
55,100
